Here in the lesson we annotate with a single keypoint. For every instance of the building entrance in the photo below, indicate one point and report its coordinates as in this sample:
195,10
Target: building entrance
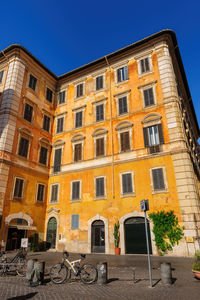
98,237
51,232
14,238
135,237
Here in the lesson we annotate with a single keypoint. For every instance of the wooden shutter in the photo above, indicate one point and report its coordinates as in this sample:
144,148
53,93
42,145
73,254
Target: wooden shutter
119,75
123,105
43,155
57,159
46,123
54,193
40,194
147,67
160,132
76,190
18,188
79,119
78,152
28,112
99,146
125,143
75,222
126,73
23,147
99,187
127,183
60,123
146,139
158,179
99,112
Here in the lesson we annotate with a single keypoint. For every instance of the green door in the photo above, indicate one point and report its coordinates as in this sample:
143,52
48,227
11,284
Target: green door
135,237
51,232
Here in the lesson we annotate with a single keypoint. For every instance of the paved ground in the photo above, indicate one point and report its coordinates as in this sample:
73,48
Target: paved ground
120,281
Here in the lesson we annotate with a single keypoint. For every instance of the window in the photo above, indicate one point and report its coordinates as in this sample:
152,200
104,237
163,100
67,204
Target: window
148,97
127,183
32,82
158,179
18,190
1,76
28,112
79,90
153,135
125,142
122,105
54,193
78,152
144,65
43,155
46,123
100,189
49,95
99,83
99,146
122,74
75,222
75,190
57,159
60,125
61,97
23,147
99,112
79,119
40,192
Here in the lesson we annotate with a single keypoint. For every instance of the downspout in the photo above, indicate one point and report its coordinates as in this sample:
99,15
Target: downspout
111,128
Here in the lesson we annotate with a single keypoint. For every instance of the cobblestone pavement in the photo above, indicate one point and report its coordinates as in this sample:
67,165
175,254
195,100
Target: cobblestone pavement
120,282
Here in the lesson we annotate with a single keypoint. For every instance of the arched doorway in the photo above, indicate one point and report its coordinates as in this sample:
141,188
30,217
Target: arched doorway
98,236
135,237
51,232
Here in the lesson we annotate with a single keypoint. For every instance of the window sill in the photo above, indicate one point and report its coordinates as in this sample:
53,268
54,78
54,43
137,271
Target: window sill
121,82
75,201
17,199
100,198
61,104
53,202
159,192
149,106
39,202
145,73
98,91
78,98
127,195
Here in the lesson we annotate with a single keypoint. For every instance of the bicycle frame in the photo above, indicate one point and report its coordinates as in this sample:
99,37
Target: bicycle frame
72,264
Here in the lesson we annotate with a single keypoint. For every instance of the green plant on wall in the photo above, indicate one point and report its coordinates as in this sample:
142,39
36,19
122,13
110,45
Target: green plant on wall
116,234
166,229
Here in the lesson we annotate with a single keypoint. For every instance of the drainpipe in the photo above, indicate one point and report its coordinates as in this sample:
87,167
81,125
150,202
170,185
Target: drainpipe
111,127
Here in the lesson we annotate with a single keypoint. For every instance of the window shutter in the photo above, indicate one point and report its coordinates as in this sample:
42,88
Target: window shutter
57,160
118,75
158,179
99,146
126,73
46,123
79,119
43,155
99,112
28,112
99,187
146,140
23,147
18,188
127,183
147,67
75,222
60,123
142,66
77,152
125,143
1,75
75,190
54,193
161,136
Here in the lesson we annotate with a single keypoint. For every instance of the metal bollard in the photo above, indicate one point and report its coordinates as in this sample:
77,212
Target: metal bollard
102,273
166,273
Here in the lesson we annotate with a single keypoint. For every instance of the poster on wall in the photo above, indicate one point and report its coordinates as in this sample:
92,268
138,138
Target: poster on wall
24,243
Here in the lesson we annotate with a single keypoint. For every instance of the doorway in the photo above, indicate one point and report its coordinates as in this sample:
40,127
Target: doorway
135,236
98,237
14,238
52,232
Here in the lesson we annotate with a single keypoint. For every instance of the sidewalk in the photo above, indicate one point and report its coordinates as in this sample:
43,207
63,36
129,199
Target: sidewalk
120,280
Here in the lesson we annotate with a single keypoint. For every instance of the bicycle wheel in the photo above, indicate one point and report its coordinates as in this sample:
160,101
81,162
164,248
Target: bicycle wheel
5,269
21,267
58,273
88,274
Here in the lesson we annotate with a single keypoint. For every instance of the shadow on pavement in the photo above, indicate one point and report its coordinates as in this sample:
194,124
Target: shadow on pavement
24,297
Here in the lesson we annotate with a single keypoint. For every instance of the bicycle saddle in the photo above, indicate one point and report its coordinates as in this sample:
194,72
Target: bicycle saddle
83,255
65,253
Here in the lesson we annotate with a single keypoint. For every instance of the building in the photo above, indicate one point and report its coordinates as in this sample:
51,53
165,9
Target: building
80,151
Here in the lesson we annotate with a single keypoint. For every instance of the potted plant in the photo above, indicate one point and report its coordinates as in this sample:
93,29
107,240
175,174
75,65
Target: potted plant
116,238
196,265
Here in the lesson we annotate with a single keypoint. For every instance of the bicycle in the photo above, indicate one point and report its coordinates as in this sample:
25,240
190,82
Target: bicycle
17,264
60,272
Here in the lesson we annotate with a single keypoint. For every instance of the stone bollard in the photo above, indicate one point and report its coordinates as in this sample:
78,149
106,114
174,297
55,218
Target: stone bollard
166,273
102,273
38,276
30,266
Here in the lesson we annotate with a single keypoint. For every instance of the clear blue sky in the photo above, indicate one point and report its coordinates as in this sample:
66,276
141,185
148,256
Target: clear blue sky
64,35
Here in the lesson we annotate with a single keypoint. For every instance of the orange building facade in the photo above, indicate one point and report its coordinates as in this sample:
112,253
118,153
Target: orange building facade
80,151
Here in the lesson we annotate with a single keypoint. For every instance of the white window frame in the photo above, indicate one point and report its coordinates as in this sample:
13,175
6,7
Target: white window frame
165,190
40,183
97,103
80,191
121,95
133,185
143,56
95,78
146,87
121,129
58,194
76,110
119,66
105,190
82,150
14,197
